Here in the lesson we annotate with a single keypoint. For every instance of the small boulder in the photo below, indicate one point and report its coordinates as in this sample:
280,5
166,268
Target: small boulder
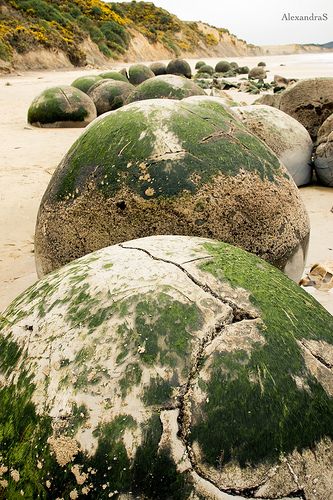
158,68
138,73
179,67
206,69
199,64
109,94
84,83
222,67
114,75
62,106
323,158
257,73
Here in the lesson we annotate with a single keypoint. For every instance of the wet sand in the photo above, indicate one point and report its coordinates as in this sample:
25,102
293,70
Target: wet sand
29,156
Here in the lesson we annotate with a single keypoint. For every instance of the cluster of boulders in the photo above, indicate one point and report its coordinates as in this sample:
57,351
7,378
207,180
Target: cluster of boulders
159,356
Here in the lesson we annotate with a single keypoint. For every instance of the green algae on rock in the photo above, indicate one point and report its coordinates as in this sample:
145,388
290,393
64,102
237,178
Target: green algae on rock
108,94
163,166
198,64
165,87
138,73
167,367
62,106
206,68
84,83
179,67
114,75
158,68
222,67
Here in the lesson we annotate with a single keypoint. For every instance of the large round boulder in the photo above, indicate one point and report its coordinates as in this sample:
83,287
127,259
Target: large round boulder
62,106
158,68
206,68
289,140
109,94
166,368
179,67
138,73
323,158
84,83
223,67
114,75
310,102
166,87
163,166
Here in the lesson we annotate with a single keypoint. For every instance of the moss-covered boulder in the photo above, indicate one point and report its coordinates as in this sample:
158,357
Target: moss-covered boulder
158,68
166,368
179,67
222,67
138,73
206,68
243,70
261,64
289,140
114,75
310,101
163,166
198,64
84,83
109,94
323,157
62,106
165,87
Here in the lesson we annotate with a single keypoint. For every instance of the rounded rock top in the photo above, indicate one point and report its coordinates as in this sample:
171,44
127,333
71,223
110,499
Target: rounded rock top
289,140
62,106
166,367
108,94
179,67
84,83
163,166
165,86
138,73
114,75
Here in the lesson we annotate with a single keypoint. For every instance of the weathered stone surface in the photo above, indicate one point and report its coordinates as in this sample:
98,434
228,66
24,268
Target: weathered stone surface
138,73
166,368
165,87
108,95
115,75
222,67
158,68
323,158
310,101
257,73
62,106
163,166
289,140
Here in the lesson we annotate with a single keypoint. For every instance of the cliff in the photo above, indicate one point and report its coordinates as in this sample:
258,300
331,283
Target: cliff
38,34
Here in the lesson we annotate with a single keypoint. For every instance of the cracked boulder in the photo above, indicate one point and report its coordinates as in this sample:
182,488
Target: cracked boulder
323,157
310,102
62,106
169,367
163,166
165,87
108,94
289,140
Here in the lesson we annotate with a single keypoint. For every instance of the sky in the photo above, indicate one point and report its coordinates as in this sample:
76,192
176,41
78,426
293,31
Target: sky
259,21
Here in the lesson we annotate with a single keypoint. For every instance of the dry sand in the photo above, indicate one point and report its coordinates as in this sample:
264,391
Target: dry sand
30,155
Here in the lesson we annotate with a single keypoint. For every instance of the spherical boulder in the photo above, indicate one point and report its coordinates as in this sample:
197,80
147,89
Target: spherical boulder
166,368
206,68
165,87
114,75
199,64
62,106
138,73
289,140
222,67
84,83
179,67
261,64
158,68
243,70
310,102
257,73
323,158
109,94
163,166
234,65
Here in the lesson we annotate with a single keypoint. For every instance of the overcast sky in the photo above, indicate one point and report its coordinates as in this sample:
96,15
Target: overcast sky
259,21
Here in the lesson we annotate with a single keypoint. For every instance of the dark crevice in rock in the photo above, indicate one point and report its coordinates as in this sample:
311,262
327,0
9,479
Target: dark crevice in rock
317,356
239,313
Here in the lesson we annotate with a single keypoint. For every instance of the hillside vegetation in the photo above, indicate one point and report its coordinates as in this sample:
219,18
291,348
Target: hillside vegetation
27,25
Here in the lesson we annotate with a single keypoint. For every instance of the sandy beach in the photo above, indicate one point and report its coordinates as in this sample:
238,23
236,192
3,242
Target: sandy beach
29,156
